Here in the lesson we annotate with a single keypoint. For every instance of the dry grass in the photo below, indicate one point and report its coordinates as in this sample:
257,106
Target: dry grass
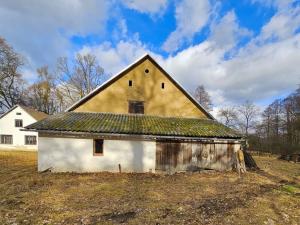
279,168
267,197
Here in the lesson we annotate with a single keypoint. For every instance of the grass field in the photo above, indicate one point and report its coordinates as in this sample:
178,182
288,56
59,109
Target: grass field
270,196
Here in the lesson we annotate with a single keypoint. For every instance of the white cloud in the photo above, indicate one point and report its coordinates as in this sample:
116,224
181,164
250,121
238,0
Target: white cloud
263,72
123,28
227,32
258,71
191,17
120,31
151,7
282,25
115,58
40,30
259,74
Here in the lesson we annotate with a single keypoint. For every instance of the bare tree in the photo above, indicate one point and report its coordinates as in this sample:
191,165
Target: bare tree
43,94
266,122
202,96
228,116
81,78
279,129
11,82
247,118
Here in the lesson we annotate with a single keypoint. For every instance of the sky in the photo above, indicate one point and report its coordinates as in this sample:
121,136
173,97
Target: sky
239,50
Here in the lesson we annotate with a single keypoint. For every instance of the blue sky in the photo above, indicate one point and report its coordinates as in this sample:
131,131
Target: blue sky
240,50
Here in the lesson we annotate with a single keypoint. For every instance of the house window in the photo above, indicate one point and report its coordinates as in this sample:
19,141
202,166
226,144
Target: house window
136,107
162,85
30,140
130,83
18,113
98,147
18,123
6,139
146,71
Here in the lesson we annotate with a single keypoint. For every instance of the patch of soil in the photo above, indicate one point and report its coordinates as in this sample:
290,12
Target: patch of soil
166,212
12,202
119,217
220,205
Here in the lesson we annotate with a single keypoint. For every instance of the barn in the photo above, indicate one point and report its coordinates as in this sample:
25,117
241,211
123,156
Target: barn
141,120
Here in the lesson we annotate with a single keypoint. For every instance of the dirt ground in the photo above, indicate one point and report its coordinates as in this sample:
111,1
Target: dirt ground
270,196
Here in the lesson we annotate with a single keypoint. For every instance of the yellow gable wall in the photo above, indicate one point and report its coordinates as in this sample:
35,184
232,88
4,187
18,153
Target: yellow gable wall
169,101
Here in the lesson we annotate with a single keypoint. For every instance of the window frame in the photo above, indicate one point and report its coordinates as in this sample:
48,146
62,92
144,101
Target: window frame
26,136
135,102
10,135
94,147
18,120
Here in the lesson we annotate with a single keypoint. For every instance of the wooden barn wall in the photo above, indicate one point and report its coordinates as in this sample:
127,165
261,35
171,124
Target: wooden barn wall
176,156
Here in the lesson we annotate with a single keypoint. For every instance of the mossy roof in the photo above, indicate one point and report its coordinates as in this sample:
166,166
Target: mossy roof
133,124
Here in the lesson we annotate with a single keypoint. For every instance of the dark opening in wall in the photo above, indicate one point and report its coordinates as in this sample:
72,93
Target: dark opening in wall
162,85
98,147
130,83
146,71
136,107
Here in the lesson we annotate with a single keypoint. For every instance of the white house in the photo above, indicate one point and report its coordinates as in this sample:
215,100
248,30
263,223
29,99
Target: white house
12,137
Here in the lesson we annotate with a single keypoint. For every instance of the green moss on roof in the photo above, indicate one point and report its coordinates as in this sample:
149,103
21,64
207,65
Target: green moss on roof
133,124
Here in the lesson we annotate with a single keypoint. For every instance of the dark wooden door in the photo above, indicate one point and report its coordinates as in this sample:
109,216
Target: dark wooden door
173,156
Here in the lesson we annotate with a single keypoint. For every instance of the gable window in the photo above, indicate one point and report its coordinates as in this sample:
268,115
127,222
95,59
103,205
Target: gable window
162,85
146,71
130,83
30,140
136,107
6,139
98,147
18,113
18,123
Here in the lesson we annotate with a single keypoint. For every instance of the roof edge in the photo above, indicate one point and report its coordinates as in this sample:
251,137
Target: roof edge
143,136
8,111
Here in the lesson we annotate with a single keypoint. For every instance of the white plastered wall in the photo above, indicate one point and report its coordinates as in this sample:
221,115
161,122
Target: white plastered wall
72,154
7,127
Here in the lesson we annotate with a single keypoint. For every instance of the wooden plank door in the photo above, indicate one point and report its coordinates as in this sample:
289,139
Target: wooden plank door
173,156
186,149
204,156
